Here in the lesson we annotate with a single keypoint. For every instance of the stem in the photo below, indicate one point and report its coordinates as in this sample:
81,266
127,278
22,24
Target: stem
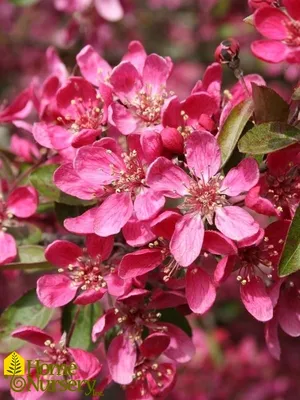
72,327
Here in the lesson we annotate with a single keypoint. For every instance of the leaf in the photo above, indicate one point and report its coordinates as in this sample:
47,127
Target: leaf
173,316
290,259
63,211
42,180
25,311
233,128
25,233
29,257
268,137
268,105
24,3
82,334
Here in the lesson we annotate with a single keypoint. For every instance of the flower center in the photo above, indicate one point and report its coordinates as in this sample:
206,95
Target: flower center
293,37
88,273
204,198
171,266
160,374
132,177
87,115
57,355
148,106
284,191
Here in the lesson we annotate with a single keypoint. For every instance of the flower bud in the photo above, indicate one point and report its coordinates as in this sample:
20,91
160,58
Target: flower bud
227,52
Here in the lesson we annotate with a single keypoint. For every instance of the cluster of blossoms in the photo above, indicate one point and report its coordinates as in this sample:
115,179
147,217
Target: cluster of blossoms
165,221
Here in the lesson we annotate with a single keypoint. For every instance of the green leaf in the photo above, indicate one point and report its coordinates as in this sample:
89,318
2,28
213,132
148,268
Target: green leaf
173,316
25,311
86,318
268,105
268,137
24,3
30,258
233,128
25,233
290,259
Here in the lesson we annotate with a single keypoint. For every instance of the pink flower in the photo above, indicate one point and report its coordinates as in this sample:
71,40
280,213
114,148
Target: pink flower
83,273
282,33
206,195
257,261
83,116
120,179
88,366
200,288
132,316
25,149
140,85
21,203
278,190
18,109
255,4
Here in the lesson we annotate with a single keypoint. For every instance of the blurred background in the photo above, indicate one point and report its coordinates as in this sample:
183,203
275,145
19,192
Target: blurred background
232,362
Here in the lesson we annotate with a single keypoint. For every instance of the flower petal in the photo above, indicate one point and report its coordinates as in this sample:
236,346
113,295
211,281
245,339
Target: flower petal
92,66
83,224
8,248
216,243
241,178
23,201
32,335
269,50
99,246
62,253
200,291
271,23
155,74
181,348
148,203
88,365
139,263
154,345
55,290
293,8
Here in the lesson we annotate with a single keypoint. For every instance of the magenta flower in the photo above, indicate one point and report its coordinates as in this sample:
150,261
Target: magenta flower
18,109
83,273
88,366
141,90
21,203
83,116
282,33
278,190
199,286
257,261
206,195
131,317
120,178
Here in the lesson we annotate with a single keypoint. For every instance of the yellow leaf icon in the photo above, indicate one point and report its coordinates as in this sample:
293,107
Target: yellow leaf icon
14,364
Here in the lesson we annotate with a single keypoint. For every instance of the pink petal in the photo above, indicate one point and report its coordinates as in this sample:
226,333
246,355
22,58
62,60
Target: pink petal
88,365
62,253
95,164
23,201
259,204
102,246
113,214
200,291
126,81
116,285
256,300
55,290
121,358
60,138
181,348
148,203
203,154
85,137
154,345
172,140
235,223
271,23
199,103
172,114
165,177
124,119
66,178
19,108
89,296
139,263
186,242
152,145
155,73
216,243
8,248
269,50
293,8
136,55
104,323
271,337
32,335
137,233
162,299
92,66
164,224
289,312
241,178
224,269
41,134
83,224
111,10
